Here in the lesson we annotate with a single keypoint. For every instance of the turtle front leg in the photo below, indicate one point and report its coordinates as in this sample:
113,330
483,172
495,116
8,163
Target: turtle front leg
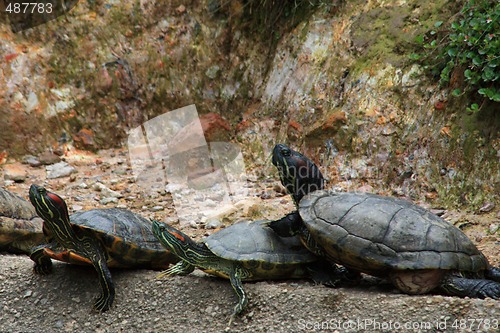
287,226
236,276
181,268
43,264
332,275
107,296
476,288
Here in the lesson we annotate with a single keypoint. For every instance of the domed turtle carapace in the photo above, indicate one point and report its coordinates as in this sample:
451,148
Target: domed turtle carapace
382,236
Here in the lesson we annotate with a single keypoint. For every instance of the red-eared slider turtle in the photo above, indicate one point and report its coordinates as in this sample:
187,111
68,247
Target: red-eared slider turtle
20,227
384,237
100,237
245,251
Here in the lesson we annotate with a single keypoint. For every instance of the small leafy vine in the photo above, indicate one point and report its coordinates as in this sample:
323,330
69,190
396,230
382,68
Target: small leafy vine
468,47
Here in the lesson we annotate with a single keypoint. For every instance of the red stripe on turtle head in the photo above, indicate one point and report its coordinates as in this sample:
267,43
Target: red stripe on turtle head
57,201
58,205
177,235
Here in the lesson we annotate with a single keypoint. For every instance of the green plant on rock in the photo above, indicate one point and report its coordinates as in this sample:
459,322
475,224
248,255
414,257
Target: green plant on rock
469,47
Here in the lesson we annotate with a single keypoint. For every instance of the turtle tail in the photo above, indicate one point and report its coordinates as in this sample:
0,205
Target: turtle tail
493,273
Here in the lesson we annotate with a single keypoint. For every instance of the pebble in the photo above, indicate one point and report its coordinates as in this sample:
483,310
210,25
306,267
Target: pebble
48,158
15,173
59,170
107,200
28,293
77,208
31,161
213,223
494,228
212,72
210,203
107,191
266,195
156,208
438,212
488,207
8,182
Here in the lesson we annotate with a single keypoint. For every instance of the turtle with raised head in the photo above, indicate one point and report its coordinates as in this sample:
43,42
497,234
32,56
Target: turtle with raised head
382,236
102,238
245,251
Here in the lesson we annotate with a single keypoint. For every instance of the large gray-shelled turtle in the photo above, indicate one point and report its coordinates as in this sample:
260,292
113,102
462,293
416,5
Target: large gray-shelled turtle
382,236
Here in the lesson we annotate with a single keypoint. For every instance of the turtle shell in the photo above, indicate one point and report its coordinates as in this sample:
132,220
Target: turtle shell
374,234
20,227
127,237
13,206
254,241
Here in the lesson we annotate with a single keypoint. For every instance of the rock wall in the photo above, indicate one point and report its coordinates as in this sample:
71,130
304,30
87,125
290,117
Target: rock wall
338,85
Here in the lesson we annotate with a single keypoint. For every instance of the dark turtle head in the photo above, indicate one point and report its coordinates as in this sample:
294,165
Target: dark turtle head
176,241
298,174
54,212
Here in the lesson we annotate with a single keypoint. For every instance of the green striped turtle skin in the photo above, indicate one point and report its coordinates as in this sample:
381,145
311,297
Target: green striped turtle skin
102,238
245,251
382,236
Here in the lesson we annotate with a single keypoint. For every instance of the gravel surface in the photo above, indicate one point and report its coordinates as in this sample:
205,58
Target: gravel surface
62,301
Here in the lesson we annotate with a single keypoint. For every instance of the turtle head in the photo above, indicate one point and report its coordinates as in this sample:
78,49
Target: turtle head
49,206
298,174
174,240
53,210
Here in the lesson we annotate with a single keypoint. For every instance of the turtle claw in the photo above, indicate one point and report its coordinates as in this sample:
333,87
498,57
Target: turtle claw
164,274
43,269
181,268
237,310
102,304
231,320
43,263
